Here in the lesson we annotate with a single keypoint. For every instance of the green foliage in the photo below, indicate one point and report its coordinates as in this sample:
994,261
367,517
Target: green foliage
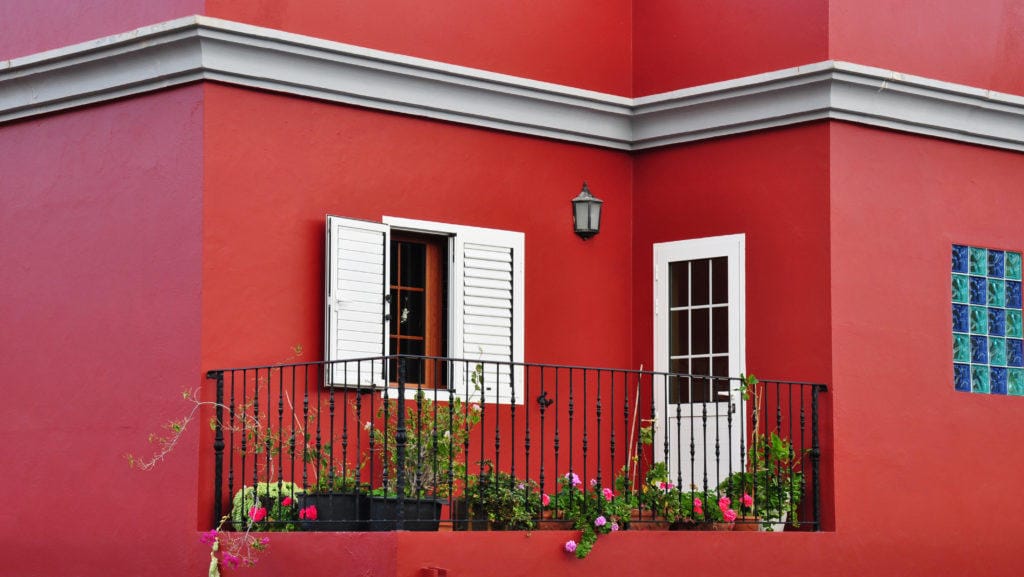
593,509
508,502
437,435
773,476
268,496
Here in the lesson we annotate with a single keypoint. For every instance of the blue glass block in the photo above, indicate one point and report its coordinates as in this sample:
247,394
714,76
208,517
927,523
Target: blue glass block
1015,381
979,349
960,289
1015,352
979,320
1013,300
979,379
959,258
979,261
996,292
997,376
996,322
962,377
995,263
961,319
1014,324
997,351
979,289
1013,265
961,348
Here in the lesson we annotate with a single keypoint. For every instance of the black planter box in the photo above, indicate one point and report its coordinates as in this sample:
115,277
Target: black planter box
337,511
463,520
420,514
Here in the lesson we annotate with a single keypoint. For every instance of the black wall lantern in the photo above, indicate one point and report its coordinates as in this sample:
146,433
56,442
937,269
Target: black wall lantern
586,213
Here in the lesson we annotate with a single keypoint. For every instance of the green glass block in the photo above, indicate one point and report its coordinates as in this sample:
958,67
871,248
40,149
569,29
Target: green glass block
979,320
1015,381
996,292
961,348
979,261
1013,265
979,379
961,290
1013,323
997,351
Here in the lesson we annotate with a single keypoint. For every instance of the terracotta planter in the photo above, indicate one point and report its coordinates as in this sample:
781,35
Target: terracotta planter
750,523
554,525
647,521
548,522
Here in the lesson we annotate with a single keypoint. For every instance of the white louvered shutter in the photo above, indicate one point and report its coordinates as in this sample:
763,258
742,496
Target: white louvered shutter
489,306
356,285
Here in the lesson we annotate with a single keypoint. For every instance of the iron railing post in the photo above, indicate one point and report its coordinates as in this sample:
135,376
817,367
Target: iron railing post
815,458
400,440
218,447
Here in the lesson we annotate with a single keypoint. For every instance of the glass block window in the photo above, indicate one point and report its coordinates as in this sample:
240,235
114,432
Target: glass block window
988,340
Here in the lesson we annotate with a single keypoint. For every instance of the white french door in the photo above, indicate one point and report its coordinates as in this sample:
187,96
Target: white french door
699,330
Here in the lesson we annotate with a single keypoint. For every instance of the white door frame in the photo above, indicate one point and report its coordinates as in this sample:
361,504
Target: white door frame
733,248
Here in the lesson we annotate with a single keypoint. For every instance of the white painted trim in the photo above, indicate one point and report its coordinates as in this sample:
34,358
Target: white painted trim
199,48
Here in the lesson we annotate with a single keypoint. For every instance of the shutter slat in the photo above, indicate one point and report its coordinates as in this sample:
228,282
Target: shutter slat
357,278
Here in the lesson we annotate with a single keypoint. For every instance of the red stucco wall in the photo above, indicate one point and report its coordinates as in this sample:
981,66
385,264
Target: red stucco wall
575,42
681,44
268,186
100,237
978,43
773,187
30,26
905,440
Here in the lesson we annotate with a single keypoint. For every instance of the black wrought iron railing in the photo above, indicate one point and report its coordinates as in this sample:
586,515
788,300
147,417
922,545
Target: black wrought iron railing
408,442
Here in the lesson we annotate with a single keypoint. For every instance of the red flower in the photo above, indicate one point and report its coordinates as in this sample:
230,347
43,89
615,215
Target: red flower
258,514
286,501
309,513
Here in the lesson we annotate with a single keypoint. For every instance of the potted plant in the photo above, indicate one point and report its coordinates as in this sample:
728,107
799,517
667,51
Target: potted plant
594,510
773,481
501,500
700,511
339,501
436,435
266,507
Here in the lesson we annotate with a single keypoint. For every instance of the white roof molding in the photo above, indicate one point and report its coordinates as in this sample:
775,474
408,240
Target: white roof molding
200,48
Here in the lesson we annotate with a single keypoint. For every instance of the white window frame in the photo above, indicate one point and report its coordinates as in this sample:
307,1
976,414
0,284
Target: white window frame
457,234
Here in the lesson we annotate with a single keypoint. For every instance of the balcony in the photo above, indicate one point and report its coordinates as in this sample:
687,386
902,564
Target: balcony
435,444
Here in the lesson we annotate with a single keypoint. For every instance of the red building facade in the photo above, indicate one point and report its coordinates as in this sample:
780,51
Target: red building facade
164,194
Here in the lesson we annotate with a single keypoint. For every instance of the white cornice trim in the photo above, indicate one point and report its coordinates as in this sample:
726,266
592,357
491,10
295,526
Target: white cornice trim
201,48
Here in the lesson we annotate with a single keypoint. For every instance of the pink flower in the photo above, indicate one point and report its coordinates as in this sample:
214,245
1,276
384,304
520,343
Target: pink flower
286,501
309,513
608,493
615,526
209,537
476,408
748,501
258,514
545,499
600,521
724,503
593,482
698,506
729,515
570,546
573,479
265,541
231,561
665,486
